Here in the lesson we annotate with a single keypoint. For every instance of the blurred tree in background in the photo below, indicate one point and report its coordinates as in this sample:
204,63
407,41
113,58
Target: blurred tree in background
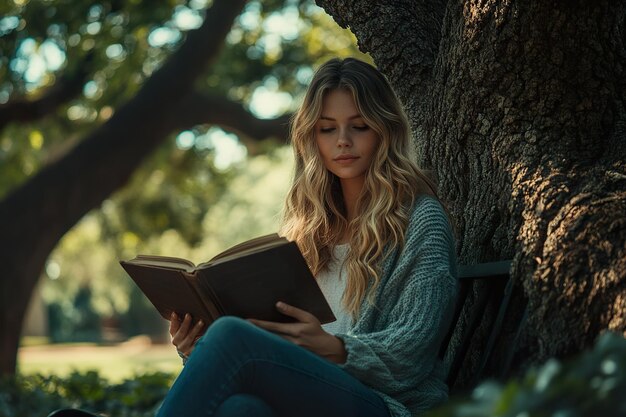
190,97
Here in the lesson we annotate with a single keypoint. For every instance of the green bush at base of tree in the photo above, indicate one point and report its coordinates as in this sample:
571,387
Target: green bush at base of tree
37,396
589,385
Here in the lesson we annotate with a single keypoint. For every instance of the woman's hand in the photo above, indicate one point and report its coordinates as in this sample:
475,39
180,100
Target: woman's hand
184,335
307,332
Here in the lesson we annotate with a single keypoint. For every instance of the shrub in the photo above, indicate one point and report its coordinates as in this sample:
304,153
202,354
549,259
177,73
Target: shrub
589,385
37,395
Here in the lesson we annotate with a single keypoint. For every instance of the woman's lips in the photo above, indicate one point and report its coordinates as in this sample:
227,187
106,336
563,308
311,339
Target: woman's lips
346,159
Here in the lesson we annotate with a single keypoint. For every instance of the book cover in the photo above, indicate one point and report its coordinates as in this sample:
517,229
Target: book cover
245,281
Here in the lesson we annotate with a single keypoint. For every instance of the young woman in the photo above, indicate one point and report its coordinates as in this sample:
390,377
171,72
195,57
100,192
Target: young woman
381,247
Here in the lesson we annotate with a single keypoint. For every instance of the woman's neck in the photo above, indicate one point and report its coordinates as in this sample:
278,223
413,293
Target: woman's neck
351,189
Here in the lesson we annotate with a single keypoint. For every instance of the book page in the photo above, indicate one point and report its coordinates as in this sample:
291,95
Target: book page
247,247
164,262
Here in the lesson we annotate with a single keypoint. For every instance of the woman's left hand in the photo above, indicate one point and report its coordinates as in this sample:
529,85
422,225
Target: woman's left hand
306,332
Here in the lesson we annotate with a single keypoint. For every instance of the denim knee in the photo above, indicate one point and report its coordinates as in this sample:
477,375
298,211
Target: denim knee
227,328
244,405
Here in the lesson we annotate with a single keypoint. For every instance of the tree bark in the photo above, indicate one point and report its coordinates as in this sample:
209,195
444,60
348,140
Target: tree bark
522,116
37,214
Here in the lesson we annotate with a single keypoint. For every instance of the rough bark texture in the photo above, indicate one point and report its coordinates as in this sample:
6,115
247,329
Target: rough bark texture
521,113
36,215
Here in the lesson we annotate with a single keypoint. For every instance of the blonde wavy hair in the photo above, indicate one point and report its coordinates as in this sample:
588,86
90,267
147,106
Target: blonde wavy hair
314,214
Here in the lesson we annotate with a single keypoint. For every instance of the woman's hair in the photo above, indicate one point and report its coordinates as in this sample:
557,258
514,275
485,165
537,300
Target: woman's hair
314,214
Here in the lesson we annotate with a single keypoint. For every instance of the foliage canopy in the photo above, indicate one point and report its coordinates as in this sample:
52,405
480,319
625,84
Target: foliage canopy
100,54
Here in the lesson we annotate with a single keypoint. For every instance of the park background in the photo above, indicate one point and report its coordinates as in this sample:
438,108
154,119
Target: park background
160,127
203,190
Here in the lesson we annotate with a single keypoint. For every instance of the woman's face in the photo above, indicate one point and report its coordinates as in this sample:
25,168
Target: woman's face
346,143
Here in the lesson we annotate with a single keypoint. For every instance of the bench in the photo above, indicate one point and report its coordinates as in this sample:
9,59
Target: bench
484,302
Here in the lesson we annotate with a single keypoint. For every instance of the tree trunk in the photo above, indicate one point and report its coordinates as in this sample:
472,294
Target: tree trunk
520,110
37,214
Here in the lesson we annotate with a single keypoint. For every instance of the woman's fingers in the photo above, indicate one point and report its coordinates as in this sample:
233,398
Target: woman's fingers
185,325
174,324
179,336
195,332
306,322
187,334
295,312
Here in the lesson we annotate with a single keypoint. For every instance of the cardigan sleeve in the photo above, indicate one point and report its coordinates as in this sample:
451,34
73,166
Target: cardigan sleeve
419,296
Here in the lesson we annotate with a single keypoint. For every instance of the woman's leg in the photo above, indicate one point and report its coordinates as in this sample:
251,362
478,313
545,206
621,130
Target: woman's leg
236,357
244,405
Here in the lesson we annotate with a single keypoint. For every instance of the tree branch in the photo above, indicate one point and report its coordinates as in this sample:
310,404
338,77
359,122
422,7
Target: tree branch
37,214
199,108
66,88
116,148
401,35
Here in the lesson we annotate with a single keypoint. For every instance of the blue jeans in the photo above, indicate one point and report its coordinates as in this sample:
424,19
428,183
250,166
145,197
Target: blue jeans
238,369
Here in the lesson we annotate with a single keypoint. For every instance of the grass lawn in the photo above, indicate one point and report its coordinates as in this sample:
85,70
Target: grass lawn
112,362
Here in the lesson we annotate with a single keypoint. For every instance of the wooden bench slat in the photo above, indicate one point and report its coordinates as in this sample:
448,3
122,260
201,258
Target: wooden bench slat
484,270
495,295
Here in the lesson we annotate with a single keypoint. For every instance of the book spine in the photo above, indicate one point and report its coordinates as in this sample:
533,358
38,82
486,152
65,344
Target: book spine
208,298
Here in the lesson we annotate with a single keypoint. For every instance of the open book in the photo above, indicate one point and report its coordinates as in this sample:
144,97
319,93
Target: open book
245,281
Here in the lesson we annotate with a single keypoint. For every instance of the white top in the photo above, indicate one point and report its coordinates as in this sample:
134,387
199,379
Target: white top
332,282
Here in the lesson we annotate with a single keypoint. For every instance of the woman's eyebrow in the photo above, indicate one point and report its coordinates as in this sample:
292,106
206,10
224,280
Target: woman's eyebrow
356,116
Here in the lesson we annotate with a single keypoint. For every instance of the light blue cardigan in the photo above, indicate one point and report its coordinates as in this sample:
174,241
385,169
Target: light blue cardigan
393,346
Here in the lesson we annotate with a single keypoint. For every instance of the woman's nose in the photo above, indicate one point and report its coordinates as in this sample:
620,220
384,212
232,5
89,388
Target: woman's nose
344,139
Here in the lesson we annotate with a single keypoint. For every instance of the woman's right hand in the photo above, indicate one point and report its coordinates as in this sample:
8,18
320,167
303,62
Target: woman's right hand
184,335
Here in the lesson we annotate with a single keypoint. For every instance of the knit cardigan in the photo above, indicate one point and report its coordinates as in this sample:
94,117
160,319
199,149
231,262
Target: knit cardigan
393,345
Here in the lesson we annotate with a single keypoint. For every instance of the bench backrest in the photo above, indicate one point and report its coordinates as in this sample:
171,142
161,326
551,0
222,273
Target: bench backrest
485,292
